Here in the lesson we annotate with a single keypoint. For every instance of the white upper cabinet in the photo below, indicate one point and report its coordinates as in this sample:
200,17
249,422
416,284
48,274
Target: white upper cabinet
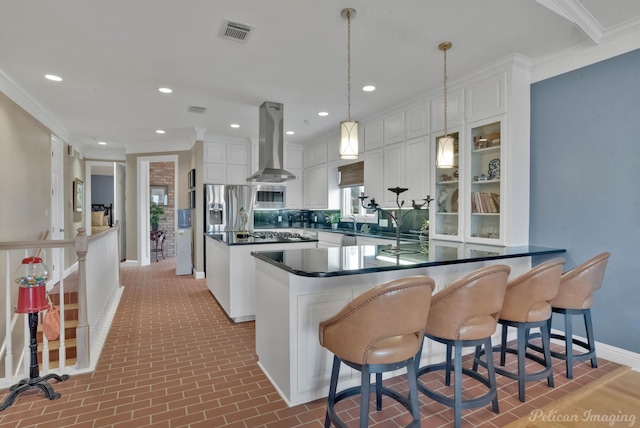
333,148
394,128
237,154
393,173
373,136
417,169
486,98
309,157
215,152
321,153
226,162
455,111
417,121
373,165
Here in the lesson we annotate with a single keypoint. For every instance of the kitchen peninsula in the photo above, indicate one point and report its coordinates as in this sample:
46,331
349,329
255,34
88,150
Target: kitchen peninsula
295,290
231,269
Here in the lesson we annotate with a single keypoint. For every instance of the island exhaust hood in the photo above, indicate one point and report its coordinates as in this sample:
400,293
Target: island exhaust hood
271,145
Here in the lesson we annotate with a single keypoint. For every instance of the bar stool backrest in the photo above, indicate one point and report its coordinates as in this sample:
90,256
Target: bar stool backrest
528,297
469,307
578,284
395,309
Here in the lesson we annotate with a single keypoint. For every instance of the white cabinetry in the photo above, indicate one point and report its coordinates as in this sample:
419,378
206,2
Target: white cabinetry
293,162
455,111
394,128
486,198
393,173
316,187
329,239
417,121
226,163
407,164
373,180
373,136
486,98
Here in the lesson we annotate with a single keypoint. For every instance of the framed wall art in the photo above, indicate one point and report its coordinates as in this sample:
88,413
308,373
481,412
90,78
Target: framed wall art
159,194
78,195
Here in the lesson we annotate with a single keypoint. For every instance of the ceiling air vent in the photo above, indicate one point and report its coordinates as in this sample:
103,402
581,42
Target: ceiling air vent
196,109
235,31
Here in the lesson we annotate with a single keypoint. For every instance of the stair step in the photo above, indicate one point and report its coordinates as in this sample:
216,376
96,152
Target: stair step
56,364
55,344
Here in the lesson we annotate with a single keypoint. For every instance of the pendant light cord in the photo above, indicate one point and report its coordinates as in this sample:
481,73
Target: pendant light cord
349,65
445,92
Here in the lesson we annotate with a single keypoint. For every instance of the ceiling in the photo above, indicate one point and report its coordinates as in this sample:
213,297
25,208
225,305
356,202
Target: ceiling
114,55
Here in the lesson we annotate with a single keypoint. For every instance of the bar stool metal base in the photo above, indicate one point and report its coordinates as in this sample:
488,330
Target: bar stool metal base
365,388
569,340
521,351
457,403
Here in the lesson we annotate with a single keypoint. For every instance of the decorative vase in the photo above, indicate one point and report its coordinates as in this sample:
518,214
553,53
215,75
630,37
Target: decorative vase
334,226
154,227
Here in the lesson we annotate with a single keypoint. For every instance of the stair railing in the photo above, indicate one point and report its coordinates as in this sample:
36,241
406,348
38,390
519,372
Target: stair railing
98,282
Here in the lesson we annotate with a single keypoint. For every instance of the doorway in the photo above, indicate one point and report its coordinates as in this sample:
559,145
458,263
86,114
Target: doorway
144,198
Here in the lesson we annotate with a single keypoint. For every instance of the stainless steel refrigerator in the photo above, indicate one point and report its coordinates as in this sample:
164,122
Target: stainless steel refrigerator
223,203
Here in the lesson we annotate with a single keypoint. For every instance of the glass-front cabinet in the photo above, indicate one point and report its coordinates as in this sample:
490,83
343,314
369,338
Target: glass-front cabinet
446,205
483,223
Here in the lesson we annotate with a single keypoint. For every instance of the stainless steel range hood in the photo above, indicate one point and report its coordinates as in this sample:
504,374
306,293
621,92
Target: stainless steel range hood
271,145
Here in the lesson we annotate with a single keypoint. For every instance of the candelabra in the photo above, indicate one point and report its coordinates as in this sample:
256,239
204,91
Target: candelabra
397,218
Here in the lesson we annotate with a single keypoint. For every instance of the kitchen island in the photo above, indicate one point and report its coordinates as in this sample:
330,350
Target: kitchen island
297,289
230,269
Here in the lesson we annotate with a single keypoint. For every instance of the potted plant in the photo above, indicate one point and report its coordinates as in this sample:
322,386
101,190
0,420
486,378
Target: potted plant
155,215
333,218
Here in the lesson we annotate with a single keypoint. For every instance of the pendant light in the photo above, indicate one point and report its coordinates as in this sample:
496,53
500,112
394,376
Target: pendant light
348,128
445,153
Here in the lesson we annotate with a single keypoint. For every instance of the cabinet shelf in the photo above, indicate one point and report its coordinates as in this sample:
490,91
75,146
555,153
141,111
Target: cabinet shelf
496,180
486,150
484,214
448,182
446,213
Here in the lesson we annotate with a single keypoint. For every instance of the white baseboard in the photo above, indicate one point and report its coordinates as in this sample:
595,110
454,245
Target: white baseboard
198,275
131,263
611,353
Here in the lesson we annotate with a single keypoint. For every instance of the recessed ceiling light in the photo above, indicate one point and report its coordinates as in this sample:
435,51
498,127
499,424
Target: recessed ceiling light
102,143
235,125
53,77
323,113
165,90
290,132
369,88
159,131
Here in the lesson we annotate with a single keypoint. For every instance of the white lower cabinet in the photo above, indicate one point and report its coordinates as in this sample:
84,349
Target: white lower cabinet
314,365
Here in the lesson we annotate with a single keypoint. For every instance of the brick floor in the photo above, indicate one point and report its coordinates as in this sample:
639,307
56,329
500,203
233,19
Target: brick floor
173,359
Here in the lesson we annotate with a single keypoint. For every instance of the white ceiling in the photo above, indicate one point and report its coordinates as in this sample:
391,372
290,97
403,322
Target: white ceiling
115,54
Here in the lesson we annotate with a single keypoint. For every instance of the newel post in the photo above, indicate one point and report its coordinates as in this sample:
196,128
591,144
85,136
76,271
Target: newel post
81,246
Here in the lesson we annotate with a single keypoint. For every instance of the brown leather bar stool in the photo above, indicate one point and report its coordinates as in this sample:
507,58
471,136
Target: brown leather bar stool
575,297
465,314
379,331
527,305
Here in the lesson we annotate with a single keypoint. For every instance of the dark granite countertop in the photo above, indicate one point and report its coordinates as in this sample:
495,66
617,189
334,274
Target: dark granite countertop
337,261
232,238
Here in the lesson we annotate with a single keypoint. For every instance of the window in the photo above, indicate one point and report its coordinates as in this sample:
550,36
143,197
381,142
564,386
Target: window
351,204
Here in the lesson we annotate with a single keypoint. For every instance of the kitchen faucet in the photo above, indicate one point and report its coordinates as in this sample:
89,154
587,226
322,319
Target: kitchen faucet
355,222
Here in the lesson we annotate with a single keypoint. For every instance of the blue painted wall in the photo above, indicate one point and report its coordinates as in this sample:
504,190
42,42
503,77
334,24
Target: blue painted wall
585,183
101,189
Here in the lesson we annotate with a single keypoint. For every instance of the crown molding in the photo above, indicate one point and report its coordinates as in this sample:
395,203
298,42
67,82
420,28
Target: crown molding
19,96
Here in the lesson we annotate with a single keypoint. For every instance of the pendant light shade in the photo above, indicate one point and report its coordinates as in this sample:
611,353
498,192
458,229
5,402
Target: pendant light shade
349,140
349,128
445,153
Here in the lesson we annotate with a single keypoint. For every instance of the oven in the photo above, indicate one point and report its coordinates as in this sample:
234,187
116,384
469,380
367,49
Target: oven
270,197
